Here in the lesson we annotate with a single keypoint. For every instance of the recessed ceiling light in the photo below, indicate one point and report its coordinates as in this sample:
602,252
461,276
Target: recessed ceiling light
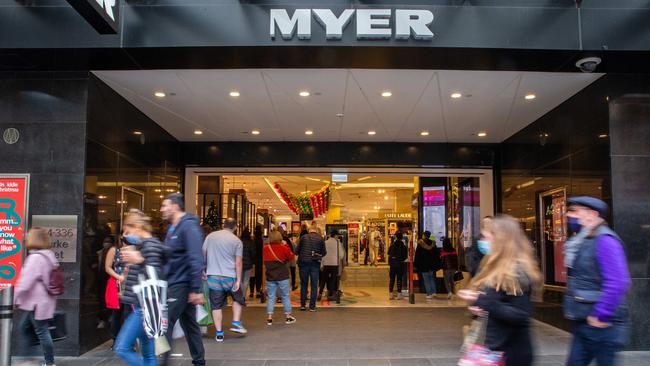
309,132
160,94
198,132
255,132
424,133
530,96
481,134
234,93
602,136
385,197
456,95
387,94
304,93
372,133
137,133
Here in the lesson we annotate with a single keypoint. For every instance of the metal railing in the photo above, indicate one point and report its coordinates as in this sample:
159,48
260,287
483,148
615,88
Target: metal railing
6,316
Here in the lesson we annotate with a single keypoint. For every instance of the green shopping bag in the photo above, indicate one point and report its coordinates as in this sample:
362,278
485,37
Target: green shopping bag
204,312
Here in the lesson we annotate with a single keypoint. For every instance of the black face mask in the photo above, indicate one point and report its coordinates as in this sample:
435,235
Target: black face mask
573,225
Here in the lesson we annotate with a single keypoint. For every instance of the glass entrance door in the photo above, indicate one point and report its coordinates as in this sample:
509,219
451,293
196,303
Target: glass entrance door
130,198
553,234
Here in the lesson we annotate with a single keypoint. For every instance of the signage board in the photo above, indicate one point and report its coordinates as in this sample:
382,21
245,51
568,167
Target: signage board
339,178
306,217
14,201
103,15
403,215
62,230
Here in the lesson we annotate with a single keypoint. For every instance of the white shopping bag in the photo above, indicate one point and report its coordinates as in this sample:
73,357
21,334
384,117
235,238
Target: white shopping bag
178,331
200,313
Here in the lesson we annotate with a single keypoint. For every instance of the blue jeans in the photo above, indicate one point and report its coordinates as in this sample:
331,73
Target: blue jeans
309,272
42,332
133,329
591,343
429,283
272,287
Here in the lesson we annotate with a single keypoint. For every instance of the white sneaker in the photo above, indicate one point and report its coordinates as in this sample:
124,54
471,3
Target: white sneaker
400,296
429,297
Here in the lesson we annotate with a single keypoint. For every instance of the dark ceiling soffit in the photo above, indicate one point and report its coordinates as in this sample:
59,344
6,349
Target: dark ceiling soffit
96,16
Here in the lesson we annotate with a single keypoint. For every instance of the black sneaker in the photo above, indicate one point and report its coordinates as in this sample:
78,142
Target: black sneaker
312,310
269,322
219,337
303,308
290,320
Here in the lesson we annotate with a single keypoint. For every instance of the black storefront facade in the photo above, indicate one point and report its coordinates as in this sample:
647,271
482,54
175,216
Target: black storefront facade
74,127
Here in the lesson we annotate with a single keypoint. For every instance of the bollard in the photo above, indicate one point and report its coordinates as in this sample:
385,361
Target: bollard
6,315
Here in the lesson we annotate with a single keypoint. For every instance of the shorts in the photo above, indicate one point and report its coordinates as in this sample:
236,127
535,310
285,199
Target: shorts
220,288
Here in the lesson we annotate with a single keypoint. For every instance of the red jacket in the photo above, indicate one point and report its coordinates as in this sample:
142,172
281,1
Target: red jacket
276,261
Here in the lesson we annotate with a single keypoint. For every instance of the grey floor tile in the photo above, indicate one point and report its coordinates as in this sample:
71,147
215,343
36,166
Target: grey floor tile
369,362
326,362
243,363
285,363
410,362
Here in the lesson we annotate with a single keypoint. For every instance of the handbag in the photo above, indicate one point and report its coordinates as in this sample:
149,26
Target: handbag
458,276
112,297
474,352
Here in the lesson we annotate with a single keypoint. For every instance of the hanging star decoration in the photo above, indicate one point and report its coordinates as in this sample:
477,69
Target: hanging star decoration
316,204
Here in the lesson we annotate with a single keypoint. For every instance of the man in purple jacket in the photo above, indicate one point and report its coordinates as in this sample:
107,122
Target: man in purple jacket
598,280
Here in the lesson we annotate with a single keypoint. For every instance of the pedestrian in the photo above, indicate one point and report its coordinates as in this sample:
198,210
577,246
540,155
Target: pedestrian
224,251
114,267
292,262
331,265
276,260
397,253
501,292
426,258
474,254
142,250
184,272
311,250
598,280
32,295
249,257
256,279
449,259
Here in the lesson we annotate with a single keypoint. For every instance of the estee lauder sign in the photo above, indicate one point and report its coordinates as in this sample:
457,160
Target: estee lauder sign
370,23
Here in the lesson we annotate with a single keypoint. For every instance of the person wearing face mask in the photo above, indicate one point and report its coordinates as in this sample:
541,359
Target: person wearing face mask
598,280
501,291
476,251
142,250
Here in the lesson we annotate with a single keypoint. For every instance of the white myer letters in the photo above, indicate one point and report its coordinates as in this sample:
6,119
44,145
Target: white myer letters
371,23
287,26
333,26
414,22
107,5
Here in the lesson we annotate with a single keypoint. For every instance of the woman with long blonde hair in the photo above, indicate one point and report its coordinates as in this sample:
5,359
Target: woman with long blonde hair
501,291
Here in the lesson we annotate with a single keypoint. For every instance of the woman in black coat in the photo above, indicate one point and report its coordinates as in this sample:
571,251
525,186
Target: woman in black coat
501,292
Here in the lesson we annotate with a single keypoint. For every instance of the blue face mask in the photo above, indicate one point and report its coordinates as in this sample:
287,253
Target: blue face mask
132,239
484,247
573,225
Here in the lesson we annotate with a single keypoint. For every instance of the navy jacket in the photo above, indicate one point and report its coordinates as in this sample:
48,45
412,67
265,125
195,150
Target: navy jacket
311,248
185,263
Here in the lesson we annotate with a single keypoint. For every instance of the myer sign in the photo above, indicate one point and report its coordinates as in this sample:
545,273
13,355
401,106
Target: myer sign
103,15
370,23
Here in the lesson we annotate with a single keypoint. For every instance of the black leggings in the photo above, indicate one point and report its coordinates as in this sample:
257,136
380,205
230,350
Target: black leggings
256,282
396,273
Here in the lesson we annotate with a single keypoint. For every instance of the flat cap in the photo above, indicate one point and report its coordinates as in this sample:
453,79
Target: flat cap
592,203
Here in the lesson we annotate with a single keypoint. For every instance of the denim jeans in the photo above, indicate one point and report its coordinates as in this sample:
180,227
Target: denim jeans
43,333
272,287
429,283
133,329
309,272
591,343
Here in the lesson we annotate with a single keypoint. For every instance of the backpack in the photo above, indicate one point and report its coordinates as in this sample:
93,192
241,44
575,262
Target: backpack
56,287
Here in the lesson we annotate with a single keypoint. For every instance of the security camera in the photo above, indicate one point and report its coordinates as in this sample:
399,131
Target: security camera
588,64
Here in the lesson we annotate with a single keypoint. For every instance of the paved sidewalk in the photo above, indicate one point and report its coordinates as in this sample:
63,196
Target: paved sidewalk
353,337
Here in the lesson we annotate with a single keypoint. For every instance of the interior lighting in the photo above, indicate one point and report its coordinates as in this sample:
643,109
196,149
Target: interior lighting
387,94
160,94
234,93
424,133
456,95
481,134
255,132
137,133
364,178
530,96
198,132
102,197
372,133
602,136
304,93
309,132
386,197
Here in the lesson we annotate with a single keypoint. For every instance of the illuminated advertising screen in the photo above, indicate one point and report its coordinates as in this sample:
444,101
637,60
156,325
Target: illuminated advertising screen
433,212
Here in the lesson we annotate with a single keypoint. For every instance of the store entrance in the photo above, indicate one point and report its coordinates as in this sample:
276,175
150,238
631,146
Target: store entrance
368,210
